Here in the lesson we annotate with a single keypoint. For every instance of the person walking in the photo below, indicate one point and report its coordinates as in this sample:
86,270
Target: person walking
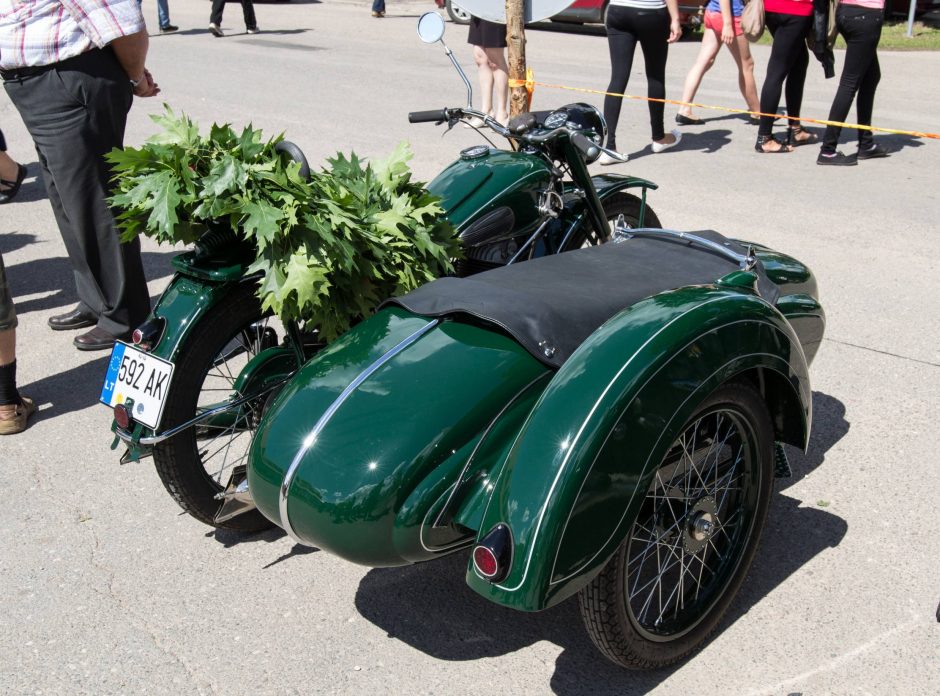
789,23
859,22
51,51
11,174
163,17
15,408
248,12
654,24
489,41
722,26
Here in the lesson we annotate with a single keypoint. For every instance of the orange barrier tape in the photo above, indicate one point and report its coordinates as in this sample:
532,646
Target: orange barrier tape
801,119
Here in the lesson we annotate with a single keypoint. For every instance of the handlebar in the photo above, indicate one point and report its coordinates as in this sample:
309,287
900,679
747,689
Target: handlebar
433,116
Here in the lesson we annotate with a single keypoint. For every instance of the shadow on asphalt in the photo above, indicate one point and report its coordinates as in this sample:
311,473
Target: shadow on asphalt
230,31
71,390
32,188
54,275
708,141
430,607
229,538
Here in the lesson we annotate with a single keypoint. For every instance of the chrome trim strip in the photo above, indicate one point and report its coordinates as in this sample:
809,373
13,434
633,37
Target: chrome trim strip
311,438
745,261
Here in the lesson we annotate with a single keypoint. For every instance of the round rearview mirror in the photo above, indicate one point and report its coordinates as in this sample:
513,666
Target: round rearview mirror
431,27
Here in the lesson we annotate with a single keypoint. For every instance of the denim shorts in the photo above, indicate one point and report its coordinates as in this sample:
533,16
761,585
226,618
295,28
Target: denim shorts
7,311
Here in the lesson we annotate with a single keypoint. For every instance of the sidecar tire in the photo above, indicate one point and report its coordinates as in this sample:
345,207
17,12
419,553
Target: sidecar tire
620,203
177,460
605,602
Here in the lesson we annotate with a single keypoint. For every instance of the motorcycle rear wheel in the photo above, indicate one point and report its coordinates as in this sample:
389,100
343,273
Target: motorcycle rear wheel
620,203
663,594
195,465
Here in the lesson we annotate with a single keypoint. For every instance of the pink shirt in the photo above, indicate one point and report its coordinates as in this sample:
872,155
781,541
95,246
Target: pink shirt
42,32
801,8
868,4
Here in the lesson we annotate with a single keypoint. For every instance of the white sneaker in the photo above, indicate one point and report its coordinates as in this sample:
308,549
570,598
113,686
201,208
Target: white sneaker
659,147
607,160
216,30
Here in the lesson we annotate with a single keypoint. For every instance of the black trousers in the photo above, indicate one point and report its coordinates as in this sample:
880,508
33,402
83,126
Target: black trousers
789,58
75,113
625,27
861,28
248,10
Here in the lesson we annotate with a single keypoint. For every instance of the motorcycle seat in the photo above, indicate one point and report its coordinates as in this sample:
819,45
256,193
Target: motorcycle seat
551,305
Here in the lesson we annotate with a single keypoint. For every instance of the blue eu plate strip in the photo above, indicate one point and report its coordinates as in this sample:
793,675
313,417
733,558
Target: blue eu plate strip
117,356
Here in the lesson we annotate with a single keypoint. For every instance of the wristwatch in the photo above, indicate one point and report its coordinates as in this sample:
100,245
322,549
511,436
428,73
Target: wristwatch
134,83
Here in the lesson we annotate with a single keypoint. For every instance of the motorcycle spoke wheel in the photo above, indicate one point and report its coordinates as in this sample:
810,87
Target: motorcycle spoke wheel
620,203
196,465
664,592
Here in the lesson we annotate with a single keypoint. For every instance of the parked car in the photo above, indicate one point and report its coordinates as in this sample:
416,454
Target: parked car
592,12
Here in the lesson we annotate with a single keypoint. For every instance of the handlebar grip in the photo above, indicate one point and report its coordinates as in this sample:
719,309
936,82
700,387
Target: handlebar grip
435,116
586,145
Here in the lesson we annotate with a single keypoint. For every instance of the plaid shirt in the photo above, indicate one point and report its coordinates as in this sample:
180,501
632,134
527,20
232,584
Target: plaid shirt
42,32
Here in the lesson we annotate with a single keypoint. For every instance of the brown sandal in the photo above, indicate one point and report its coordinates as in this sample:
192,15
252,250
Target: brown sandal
764,139
810,139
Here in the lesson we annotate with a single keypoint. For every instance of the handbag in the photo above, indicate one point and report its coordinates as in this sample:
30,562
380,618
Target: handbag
752,20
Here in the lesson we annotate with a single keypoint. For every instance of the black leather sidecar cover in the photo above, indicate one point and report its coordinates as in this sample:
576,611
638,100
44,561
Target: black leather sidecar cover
552,304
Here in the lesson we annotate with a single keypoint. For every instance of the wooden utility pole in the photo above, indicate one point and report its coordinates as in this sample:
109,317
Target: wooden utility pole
515,38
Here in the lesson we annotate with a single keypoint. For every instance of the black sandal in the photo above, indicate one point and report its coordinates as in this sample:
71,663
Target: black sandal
13,187
764,139
794,131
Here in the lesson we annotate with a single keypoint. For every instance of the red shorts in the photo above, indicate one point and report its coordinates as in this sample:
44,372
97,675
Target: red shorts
714,22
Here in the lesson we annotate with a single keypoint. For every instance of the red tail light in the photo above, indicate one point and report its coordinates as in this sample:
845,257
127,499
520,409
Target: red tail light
485,561
122,416
492,557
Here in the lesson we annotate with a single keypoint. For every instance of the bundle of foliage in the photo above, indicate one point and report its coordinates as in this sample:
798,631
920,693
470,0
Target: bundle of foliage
329,248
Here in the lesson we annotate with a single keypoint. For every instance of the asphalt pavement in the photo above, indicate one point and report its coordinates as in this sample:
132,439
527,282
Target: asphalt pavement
107,588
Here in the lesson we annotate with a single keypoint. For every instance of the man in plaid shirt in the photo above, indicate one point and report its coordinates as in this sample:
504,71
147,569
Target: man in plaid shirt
72,69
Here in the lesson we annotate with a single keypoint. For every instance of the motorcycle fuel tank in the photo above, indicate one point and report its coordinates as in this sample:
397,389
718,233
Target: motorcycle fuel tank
484,179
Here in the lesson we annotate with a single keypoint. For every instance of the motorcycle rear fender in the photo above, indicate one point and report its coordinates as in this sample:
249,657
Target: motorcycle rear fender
574,479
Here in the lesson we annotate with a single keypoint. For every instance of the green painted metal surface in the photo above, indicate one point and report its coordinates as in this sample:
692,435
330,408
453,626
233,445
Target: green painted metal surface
470,188
568,488
411,424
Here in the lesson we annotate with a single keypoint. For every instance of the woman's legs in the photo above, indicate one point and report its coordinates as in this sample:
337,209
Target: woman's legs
653,31
485,75
621,41
496,58
788,32
741,52
796,78
706,58
860,74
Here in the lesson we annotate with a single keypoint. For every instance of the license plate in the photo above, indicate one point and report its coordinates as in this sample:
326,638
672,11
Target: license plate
140,378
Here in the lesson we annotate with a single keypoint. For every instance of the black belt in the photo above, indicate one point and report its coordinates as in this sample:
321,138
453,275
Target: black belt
14,74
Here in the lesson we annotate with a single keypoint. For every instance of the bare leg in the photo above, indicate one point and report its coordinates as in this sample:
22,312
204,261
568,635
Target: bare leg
7,346
8,167
485,74
706,58
741,51
497,62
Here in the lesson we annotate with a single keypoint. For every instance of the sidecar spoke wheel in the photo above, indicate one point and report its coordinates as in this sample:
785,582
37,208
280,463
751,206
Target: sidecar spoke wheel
664,592
197,464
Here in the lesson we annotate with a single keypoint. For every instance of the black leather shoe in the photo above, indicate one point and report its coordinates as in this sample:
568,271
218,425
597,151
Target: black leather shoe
76,319
97,339
683,120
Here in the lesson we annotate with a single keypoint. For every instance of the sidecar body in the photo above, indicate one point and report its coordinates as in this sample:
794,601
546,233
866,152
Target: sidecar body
526,411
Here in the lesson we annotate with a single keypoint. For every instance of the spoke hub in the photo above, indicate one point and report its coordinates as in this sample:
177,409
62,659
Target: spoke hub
702,523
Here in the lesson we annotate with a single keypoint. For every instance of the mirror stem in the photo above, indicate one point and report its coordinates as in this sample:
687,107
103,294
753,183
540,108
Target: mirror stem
463,75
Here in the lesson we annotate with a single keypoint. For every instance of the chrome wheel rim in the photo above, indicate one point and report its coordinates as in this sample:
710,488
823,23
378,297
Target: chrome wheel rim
223,442
693,526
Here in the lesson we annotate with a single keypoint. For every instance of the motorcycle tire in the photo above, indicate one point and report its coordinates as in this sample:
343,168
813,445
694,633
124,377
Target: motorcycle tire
620,203
664,592
206,366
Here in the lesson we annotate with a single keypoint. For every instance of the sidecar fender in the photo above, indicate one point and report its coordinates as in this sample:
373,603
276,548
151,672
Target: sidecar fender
575,476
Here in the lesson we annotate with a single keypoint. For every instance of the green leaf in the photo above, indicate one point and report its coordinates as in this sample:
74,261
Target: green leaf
261,222
165,198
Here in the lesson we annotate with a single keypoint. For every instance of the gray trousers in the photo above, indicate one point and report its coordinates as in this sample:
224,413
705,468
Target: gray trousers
76,112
